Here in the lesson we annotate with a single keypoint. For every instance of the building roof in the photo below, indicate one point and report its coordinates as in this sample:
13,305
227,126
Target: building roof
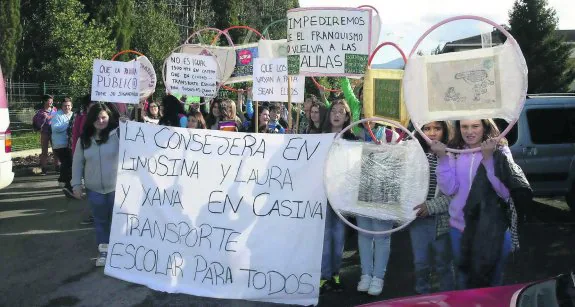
497,38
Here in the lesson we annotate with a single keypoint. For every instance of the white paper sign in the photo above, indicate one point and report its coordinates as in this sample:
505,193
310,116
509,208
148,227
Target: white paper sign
328,41
192,75
268,48
115,81
270,81
220,214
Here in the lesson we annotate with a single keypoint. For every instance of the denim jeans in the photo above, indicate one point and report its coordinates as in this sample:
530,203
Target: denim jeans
423,243
333,244
373,249
102,208
461,278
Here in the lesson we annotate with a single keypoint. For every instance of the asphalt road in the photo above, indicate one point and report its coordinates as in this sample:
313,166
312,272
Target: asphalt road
46,256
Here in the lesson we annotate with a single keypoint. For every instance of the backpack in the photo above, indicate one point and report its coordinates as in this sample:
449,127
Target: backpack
35,118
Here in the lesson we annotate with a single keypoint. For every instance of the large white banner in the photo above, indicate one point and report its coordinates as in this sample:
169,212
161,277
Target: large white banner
114,81
328,41
220,214
271,81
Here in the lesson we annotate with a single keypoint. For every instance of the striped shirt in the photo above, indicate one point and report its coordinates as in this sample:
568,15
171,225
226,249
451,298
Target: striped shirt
432,159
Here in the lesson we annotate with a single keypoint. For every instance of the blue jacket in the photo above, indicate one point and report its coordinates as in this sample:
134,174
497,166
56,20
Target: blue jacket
59,126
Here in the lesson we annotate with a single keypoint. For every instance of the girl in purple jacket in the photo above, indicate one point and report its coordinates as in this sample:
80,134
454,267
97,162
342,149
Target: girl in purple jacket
455,175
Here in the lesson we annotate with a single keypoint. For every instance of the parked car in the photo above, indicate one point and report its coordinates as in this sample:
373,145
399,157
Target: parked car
543,144
553,292
6,174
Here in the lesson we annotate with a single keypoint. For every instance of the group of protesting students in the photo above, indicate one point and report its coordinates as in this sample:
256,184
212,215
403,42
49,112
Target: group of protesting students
450,237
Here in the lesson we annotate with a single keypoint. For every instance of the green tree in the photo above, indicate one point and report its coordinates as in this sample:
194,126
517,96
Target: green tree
74,42
124,23
155,34
10,35
533,24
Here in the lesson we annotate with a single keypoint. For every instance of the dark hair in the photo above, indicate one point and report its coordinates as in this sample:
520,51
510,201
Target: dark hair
327,122
149,114
311,129
274,108
47,97
490,130
261,129
89,130
444,139
211,120
172,110
199,117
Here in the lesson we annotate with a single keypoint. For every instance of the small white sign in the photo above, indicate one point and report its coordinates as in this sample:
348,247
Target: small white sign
192,75
115,81
271,81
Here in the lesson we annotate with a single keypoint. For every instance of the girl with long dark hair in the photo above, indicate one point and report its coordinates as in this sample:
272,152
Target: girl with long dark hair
96,162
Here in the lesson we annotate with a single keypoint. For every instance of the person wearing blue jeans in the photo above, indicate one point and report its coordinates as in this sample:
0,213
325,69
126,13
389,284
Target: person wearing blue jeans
424,240
95,161
461,277
333,244
373,254
102,206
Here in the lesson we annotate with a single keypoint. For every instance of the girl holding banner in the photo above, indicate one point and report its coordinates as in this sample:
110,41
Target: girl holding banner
430,231
339,116
94,161
480,185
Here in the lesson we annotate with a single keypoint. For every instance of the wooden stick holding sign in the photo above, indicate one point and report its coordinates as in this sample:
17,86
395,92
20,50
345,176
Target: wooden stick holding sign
256,116
290,120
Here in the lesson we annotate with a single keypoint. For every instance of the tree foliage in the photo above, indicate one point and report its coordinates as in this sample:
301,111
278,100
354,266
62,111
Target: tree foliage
73,43
10,33
533,24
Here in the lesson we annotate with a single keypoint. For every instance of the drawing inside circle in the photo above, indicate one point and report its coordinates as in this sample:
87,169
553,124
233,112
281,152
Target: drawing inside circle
479,80
453,96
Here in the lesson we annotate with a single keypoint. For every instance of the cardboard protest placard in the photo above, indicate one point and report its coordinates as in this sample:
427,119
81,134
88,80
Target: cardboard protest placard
220,214
328,41
225,57
268,48
271,81
245,55
115,81
193,75
148,77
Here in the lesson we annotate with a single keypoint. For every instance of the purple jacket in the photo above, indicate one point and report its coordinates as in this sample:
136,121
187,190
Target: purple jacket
455,176
43,119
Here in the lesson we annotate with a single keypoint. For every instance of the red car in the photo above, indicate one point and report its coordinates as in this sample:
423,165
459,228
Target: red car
555,292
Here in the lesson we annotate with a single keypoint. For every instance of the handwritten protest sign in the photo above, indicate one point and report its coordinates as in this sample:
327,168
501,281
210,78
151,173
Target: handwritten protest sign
220,214
225,57
328,41
115,81
192,75
270,81
245,55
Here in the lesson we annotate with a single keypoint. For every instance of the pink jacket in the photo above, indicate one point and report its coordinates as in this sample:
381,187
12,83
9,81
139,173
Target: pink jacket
455,176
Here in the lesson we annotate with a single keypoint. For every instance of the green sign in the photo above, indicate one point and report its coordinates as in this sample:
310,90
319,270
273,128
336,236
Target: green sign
293,64
387,98
355,63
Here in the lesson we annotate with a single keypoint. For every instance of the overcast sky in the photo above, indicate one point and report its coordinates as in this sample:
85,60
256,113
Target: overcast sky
404,21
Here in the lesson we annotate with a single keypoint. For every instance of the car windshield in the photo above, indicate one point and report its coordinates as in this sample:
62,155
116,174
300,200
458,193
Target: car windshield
557,292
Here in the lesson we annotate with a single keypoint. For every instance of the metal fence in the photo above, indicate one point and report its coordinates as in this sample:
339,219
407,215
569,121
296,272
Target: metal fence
23,100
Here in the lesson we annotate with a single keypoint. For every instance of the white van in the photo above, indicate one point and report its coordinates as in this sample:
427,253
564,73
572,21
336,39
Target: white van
6,174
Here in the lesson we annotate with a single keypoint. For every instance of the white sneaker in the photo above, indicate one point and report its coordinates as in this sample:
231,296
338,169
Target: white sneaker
103,247
103,254
364,283
61,184
376,286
